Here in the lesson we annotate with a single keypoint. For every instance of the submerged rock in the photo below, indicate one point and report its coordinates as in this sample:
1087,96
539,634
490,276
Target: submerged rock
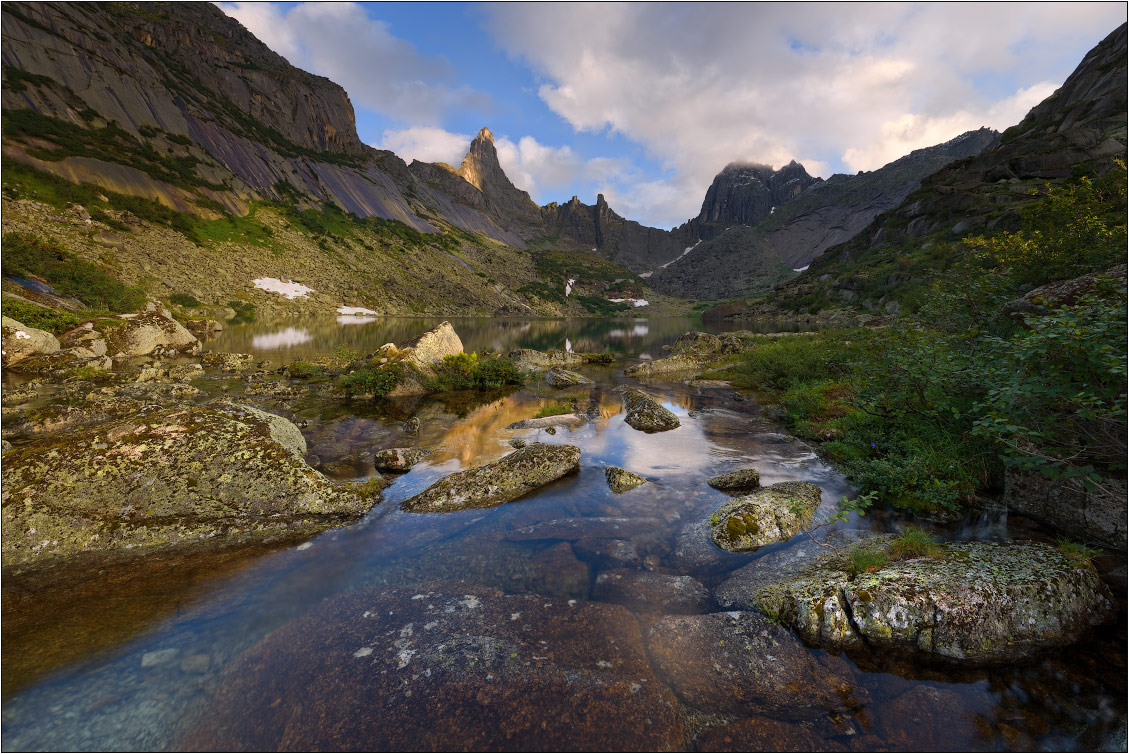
768,734
541,422
979,603
651,592
646,414
608,553
528,359
740,662
451,669
150,332
560,378
167,477
399,459
507,479
742,479
21,341
770,514
622,480
598,527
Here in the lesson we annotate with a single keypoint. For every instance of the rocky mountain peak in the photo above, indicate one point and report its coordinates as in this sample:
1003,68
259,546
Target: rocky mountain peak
744,193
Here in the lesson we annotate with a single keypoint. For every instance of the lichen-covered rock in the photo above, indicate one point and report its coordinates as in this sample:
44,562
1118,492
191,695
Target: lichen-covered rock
541,422
85,342
162,478
646,414
530,360
678,363
399,459
651,592
176,373
148,333
228,362
1089,515
21,341
740,662
742,479
980,603
560,378
770,514
451,669
622,480
509,478
431,347
699,345
203,328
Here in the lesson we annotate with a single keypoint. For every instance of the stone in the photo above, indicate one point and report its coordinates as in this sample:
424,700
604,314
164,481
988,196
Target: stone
509,478
770,514
651,592
453,669
84,342
926,718
149,333
561,378
163,478
695,551
203,328
599,527
21,341
228,362
399,459
743,479
608,553
622,480
1042,300
698,345
1066,504
646,414
541,422
978,603
767,734
529,360
741,662
679,363
431,347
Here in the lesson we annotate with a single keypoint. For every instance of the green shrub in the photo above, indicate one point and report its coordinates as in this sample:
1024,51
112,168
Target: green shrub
601,306
914,543
185,300
305,370
465,371
375,380
781,363
606,357
69,275
557,409
55,321
864,560
244,312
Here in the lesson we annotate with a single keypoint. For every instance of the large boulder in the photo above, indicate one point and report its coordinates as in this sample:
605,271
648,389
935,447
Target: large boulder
21,341
978,603
646,414
529,360
150,332
699,345
681,364
431,347
561,378
770,514
496,483
451,668
165,477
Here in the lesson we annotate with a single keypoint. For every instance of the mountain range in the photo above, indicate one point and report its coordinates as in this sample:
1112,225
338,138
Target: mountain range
177,105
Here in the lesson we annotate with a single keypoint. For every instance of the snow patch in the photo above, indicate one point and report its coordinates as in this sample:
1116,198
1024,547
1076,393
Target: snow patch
646,275
801,269
684,253
353,319
21,335
354,310
291,336
632,301
568,346
287,288
568,286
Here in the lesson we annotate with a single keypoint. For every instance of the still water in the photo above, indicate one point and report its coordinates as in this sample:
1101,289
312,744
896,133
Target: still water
497,628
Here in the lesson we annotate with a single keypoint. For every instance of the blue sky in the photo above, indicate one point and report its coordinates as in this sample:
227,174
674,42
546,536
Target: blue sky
646,103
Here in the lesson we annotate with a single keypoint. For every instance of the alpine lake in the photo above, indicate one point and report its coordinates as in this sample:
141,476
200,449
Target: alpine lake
541,624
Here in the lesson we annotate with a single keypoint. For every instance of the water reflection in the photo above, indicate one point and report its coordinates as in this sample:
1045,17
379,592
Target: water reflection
286,338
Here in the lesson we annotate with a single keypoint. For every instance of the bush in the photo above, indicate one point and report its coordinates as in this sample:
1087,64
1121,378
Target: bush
185,300
557,409
788,361
70,276
377,381
465,371
54,321
305,370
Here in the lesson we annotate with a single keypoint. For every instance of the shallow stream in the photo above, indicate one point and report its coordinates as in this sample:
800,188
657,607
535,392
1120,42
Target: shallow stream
235,648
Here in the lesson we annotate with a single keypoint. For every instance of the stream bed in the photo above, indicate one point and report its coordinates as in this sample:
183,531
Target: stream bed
547,623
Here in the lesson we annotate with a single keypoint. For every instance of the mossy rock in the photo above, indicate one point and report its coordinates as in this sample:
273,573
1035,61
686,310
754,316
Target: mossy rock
742,479
622,480
646,414
771,514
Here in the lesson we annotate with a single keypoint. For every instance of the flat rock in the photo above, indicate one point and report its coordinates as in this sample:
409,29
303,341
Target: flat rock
560,420
622,480
579,528
509,478
980,603
740,662
770,514
767,734
399,459
528,359
21,341
742,479
646,414
560,378
608,553
148,333
651,592
677,364
454,670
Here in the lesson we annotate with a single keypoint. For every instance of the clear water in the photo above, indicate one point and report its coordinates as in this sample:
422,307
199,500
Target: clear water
113,656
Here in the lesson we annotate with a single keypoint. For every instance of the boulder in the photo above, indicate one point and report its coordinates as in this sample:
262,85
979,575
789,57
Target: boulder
203,328
677,364
741,662
165,477
560,378
85,342
496,483
1065,504
177,373
541,422
770,514
651,592
622,480
431,347
742,479
399,459
697,345
1040,301
150,332
530,360
21,341
646,414
228,362
979,603
449,669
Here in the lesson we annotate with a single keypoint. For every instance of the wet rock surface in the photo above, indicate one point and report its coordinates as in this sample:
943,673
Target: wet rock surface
646,414
562,378
768,734
399,459
515,475
768,515
742,479
979,603
622,480
608,553
651,592
541,422
741,662
446,670
599,527
527,359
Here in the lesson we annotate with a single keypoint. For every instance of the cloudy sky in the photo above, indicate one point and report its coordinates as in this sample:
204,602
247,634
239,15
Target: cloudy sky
646,103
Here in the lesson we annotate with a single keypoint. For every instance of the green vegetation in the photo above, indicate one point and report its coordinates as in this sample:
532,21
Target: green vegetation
17,79
377,381
556,409
864,560
543,291
604,357
305,370
87,374
244,312
1078,553
914,543
602,307
54,321
70,276
936,406
185,300
465,371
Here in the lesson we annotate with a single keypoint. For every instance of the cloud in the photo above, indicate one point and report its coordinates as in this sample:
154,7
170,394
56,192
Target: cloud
850,86
426,144
380,72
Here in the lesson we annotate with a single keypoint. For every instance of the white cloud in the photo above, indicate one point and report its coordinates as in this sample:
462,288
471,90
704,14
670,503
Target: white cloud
702,85
379,71
426,144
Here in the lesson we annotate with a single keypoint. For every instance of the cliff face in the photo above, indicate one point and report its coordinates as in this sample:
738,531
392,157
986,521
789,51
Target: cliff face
743,194
598,227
